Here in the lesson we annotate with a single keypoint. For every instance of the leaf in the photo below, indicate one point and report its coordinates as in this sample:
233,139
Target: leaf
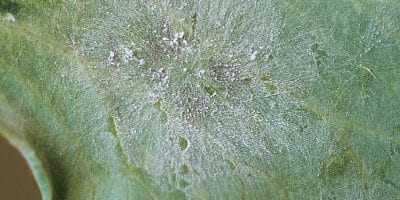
204,100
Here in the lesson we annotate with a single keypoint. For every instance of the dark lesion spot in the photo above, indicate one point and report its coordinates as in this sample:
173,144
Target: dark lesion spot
319,53
247,80
339,160
270,58
195,109
7,6
231,165
185,170
176,194
227,77
225,74
212,90
163,113
335,166
183,143
111,125
183,183
193,104
303,128
269,85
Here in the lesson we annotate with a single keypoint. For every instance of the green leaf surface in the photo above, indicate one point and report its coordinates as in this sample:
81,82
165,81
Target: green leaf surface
160,99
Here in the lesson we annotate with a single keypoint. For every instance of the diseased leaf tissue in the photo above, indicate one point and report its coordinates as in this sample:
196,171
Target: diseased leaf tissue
204,99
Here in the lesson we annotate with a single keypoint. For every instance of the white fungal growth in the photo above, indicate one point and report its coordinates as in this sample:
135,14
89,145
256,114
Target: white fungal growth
253,56
111,59
128,55
178,37
9,17
200,72
142,62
